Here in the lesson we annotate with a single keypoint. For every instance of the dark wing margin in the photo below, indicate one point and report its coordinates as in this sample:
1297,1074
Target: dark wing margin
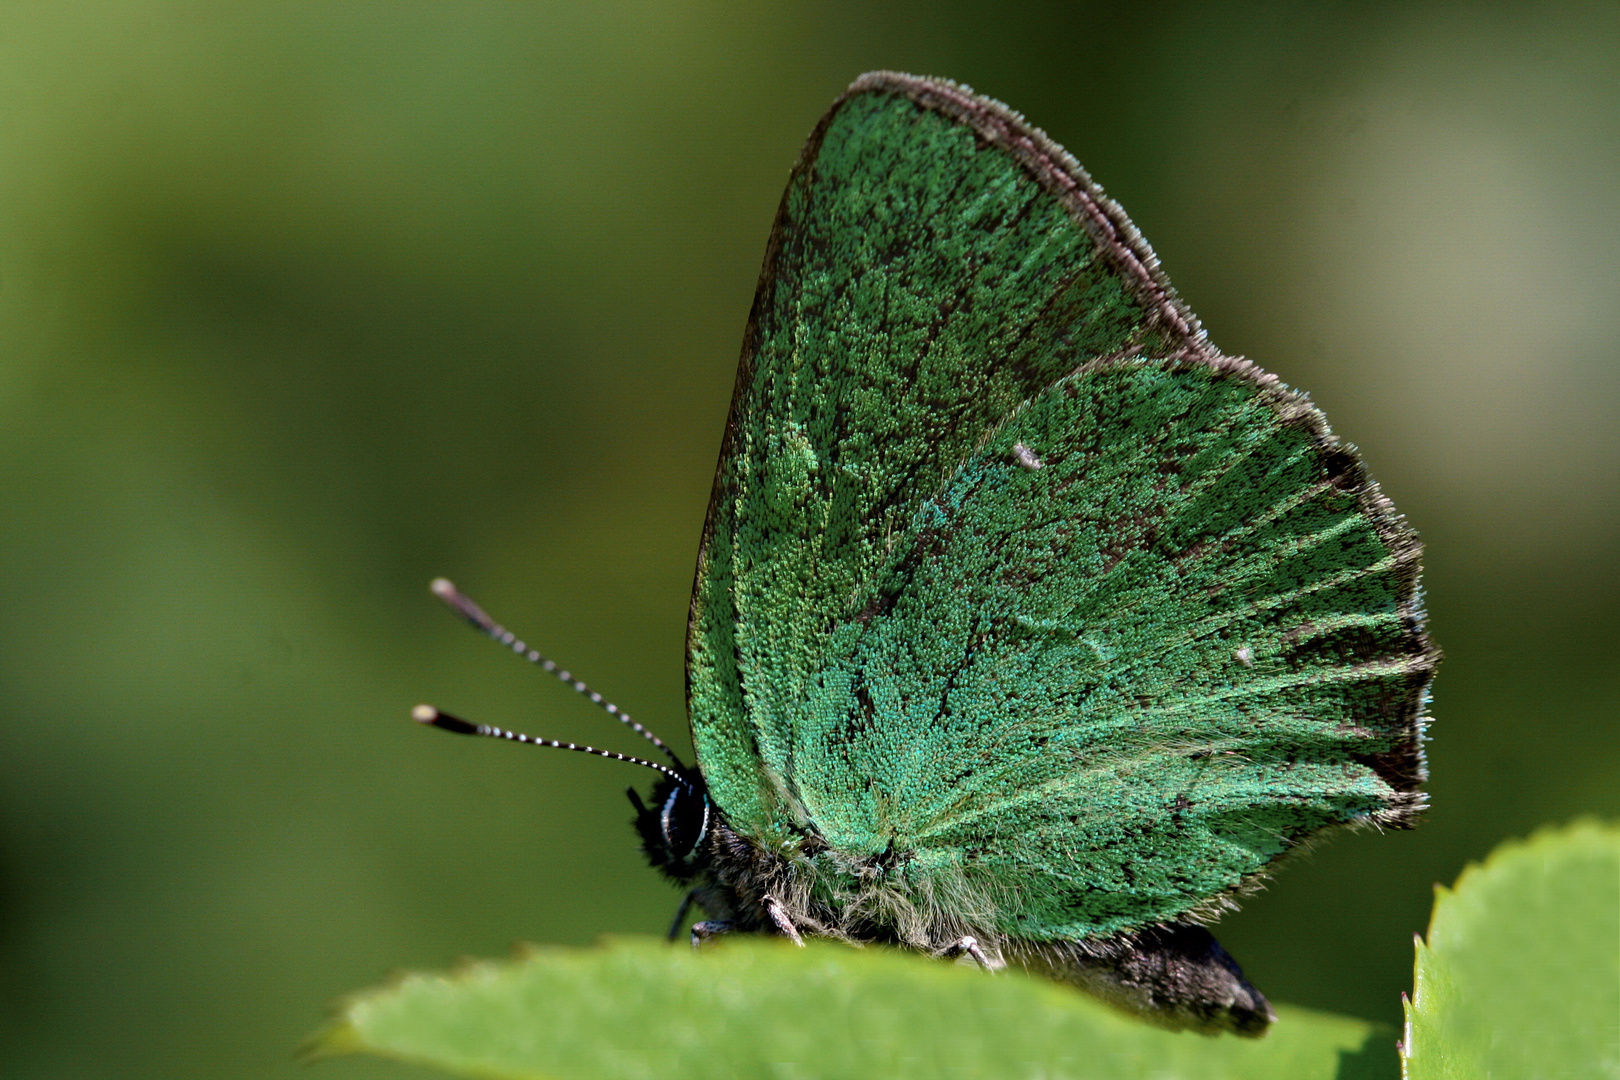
1060,174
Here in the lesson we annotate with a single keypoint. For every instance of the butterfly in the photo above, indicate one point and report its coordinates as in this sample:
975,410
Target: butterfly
1027,626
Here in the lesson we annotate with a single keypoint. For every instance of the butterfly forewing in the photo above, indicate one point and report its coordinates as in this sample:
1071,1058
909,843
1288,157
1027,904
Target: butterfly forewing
1009,578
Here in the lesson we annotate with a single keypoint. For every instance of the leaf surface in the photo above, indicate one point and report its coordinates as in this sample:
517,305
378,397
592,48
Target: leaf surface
1520,976
637,1008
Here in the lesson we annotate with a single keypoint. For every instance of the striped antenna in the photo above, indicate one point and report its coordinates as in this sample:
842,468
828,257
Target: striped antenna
427,714
480,620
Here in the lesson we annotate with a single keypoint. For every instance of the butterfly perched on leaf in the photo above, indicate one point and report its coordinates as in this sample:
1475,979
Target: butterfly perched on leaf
1026,625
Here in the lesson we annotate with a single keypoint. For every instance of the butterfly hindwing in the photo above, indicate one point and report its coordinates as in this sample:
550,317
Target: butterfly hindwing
1011,584
1129,678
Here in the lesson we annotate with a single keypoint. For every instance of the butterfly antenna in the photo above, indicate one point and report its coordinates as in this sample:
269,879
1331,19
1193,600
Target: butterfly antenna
427,714
480,620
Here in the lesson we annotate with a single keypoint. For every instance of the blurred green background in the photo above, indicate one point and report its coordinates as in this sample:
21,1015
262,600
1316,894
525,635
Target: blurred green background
302,304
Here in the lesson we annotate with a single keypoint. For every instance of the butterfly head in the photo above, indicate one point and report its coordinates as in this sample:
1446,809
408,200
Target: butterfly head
674,825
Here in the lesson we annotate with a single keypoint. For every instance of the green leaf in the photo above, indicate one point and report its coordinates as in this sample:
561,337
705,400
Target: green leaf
1520,976
754,1008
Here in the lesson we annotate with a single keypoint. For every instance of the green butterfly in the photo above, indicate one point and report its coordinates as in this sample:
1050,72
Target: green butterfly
1027,626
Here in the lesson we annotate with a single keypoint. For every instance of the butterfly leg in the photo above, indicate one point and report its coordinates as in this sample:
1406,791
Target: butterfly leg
784,925
680,914
970,946
703,931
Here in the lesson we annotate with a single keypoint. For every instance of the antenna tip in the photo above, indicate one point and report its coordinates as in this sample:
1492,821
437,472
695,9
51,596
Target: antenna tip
427,714
442,587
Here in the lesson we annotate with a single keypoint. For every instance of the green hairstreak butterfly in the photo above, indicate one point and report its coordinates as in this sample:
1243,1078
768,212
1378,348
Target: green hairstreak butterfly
1027,626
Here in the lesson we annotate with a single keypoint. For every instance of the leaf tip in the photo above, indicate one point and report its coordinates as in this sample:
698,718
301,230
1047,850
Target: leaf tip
334,1040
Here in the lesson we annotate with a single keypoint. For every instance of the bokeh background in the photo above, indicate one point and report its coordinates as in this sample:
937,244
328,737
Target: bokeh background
302,304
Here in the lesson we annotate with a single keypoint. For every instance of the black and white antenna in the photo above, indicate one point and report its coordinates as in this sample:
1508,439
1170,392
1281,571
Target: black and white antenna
427,714
480,620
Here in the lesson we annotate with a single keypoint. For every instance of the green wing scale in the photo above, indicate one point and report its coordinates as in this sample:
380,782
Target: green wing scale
1021,610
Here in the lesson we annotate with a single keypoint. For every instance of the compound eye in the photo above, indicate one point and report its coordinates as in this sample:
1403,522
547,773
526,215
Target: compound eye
685,821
